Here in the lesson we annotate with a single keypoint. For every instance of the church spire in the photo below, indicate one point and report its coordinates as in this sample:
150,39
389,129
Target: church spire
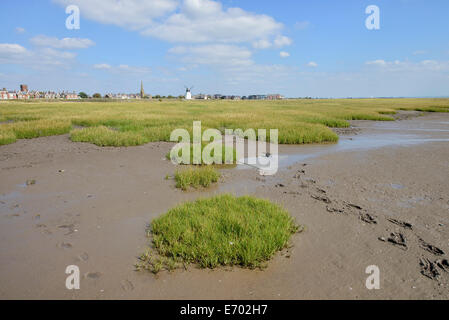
142,93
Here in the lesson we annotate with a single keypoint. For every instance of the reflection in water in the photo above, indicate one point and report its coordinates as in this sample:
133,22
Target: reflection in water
424,131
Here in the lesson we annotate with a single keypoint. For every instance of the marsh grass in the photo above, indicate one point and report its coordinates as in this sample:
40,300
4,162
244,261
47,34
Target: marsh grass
220,231
7,137
106,137
38,128
118,123
228,155
202,176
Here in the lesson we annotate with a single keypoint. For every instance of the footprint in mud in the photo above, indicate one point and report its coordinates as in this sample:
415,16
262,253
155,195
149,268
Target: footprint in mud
92,275
334,210
431,248
321,198
429,269
14,215
367,218
65,245
402,224
298,174
83,256
280,185
355,206
397,239
70,228
127,285
294,193
443,264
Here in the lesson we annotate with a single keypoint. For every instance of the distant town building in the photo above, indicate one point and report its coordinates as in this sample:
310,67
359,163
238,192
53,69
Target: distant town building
201,96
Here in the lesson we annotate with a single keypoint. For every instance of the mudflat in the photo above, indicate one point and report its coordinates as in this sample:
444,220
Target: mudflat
377,197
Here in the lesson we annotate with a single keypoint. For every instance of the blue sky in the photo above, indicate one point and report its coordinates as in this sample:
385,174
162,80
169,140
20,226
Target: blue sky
318,48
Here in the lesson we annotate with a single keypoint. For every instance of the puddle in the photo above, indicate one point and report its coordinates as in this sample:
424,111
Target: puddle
397,186
390,134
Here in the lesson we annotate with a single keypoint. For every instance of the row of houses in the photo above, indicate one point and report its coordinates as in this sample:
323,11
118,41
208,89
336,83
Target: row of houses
250,97
123,96
25,95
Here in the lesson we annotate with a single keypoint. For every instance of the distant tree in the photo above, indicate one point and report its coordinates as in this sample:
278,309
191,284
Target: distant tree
157,96
82,95
170,97
96,96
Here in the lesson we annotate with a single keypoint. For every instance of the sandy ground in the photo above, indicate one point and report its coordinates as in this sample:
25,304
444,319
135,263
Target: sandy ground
90,206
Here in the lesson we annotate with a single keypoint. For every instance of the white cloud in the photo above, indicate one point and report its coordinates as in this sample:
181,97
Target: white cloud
20,30
65,43
214,54
302,25
284,54
312,64
206,21
377,62
38,59
102,66
278,42
262,44
419,52
133,14
405,66
122,68
219,30
282,41
11,48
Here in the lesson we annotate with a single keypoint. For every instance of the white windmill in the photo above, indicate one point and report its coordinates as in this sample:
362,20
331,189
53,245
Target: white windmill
188,93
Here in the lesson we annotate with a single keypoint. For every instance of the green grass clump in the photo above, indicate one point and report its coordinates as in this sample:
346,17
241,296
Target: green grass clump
232,154
195,177
105,137
7,137
222,231
39,128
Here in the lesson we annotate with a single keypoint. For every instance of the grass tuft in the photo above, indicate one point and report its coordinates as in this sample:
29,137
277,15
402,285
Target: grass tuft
7,137
105,137
39,128
220,231
228,154
195,177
